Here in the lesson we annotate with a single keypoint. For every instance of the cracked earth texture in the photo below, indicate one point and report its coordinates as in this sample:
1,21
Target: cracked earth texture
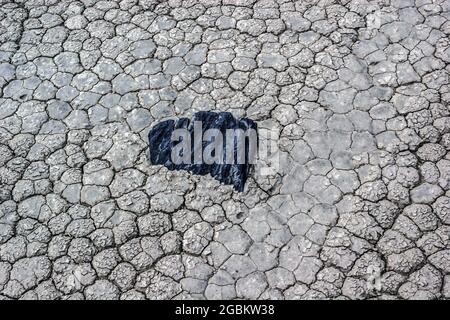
360,208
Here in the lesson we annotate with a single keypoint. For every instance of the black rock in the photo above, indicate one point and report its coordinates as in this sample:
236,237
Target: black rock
161,146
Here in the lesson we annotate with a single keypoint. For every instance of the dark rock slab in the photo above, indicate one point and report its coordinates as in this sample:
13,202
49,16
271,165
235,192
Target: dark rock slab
161,145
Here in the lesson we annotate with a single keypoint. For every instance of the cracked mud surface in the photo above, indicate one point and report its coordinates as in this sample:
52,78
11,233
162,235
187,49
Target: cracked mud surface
359,209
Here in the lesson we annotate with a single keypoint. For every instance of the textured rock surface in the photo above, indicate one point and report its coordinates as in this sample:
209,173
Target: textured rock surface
358,210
